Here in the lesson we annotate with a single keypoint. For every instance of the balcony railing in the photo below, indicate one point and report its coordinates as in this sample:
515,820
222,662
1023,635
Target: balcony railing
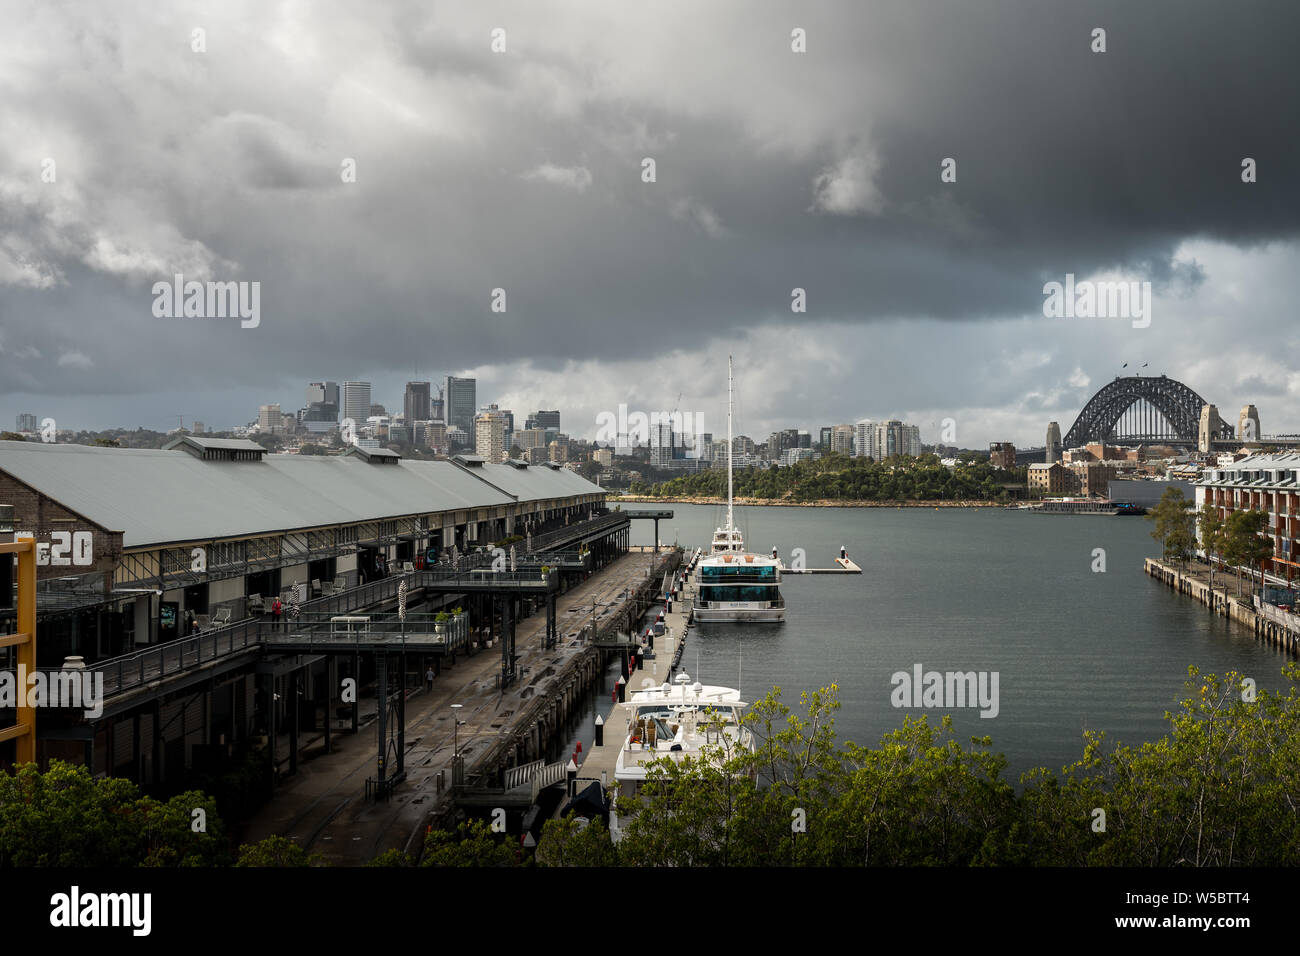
138,668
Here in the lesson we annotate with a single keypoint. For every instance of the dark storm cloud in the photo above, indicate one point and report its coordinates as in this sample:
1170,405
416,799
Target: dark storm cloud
522,171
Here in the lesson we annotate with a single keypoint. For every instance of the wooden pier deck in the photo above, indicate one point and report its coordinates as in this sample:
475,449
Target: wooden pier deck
842,566
598,762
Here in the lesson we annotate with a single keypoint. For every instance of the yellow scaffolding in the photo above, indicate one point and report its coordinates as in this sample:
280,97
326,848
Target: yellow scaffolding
24,731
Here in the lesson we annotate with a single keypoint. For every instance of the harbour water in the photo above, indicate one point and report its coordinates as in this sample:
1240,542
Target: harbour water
989,590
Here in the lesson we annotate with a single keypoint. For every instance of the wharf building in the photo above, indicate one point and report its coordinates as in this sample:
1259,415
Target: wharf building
137,547
1046,479
1088,478
1268,483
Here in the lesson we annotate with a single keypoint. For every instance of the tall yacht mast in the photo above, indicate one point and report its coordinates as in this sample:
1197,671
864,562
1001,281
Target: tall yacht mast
730,450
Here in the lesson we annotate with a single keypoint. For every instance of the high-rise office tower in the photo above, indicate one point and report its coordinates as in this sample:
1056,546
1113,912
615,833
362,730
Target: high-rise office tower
323,392
891,439
356,402
490,436
460,399
416,402
661,444
911,440
270,420
864,439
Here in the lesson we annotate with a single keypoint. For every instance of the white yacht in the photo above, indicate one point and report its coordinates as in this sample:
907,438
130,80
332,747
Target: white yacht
733,584
677,721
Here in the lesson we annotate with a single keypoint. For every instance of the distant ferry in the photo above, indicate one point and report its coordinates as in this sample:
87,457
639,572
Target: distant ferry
1084,506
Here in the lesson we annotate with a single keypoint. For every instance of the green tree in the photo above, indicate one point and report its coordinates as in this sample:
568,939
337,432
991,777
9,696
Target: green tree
184,831
66,817
920,798
1212,529
392,858
1244,544
276,851
575,842
473,844
687,812
12,436
1174,525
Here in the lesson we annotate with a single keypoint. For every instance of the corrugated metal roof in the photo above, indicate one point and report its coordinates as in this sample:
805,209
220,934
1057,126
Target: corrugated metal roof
156,496
537,482
222,444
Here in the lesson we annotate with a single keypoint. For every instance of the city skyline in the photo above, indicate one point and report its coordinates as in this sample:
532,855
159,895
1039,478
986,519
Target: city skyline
931,433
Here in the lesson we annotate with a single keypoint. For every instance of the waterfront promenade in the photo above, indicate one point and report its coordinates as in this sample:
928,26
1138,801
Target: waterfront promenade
1270,623
599,762
323,806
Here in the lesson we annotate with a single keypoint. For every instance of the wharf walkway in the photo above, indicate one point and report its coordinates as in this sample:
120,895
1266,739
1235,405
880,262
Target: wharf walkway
599,761
323,807
1270,623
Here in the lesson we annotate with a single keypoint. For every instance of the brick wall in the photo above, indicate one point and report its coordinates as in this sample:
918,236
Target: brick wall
40,514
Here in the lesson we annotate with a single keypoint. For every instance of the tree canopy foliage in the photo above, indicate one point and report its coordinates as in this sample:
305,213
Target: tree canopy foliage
1175,525
66,817
838,477
1221,788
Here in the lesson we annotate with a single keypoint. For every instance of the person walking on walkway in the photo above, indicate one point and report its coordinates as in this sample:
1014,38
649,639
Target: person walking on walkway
428,677
276,609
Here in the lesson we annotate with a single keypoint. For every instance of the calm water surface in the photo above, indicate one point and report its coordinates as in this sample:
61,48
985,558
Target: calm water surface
966,589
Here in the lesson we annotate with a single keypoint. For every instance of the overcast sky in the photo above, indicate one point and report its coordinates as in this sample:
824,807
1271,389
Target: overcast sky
522,170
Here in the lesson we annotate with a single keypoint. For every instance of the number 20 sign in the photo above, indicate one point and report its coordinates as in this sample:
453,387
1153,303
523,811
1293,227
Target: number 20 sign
64,549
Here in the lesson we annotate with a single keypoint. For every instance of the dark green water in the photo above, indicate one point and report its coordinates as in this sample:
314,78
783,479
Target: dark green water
962,590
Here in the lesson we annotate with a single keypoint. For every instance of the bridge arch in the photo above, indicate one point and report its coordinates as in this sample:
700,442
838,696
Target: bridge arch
1178,406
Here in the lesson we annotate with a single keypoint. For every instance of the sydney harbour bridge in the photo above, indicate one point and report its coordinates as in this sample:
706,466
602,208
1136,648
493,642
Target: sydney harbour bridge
1142,411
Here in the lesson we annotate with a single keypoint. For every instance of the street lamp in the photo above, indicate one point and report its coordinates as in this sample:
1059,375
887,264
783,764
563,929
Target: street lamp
455,729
